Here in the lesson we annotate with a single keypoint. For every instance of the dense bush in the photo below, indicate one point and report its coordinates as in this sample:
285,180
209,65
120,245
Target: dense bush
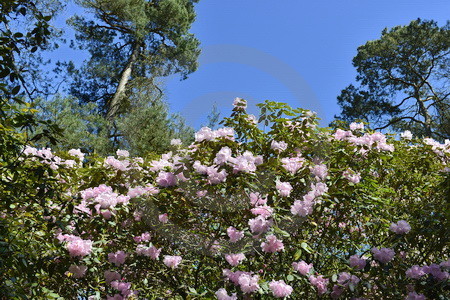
248,211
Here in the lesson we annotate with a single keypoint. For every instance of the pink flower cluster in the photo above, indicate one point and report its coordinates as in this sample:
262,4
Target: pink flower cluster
302,267
240,103
357,262
320,283
401,227
245,280
280,289
117,258
278,146
121,165
235,259
319,171
416,272
383,255
304,207
234,234
222,294
172,261
352,176
375,140
272,244
151,252
207,134
284,188
292,164
77,271
344,281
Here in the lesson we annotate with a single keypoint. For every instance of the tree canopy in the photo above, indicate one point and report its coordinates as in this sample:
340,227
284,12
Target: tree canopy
131,43
403,80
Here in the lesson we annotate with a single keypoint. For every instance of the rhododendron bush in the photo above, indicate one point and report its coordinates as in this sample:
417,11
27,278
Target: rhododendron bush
259,209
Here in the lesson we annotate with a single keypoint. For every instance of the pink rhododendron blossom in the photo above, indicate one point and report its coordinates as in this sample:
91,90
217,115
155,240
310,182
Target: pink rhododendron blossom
121,286
234,234
145,237
263,210
175,142
76,153
272,244
320,283
79,247
225,132
201,194
284,188
136,191
345,279
319,188
337,291
163,218
259,224
243,164
278,146
240,103
342,134
302,267
77,271
248,283
122,165
107,214
357,262
407,135
401,227
223,156
216,177
280,289
256,199
356,126
235,259
172,261
302,208
252,119
117,258
352,176
204,134
151,252
30,150
436,272
415,272
122,153
383,255
292,164
319,171
234,276
200,168
166,179
111,276
222,294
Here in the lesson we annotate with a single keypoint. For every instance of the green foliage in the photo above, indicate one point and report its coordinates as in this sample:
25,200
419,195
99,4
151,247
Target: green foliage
400,180
143,129
403,79
84,127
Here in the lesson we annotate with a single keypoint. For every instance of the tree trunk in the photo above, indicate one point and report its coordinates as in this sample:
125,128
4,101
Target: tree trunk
116,101
425,114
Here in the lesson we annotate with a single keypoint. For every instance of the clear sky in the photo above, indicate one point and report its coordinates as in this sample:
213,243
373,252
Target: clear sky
294,51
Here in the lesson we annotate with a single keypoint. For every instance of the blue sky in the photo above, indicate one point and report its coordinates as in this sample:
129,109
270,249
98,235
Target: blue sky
294,51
